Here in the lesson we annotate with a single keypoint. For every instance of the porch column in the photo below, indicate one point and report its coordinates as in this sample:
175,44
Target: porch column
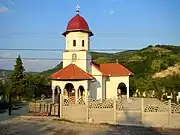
127,93
76,95
53,93
86,96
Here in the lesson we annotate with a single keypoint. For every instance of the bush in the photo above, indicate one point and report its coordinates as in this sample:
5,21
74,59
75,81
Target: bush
3,105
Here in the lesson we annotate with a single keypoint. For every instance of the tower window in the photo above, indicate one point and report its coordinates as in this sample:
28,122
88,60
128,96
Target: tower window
74,57
74,42
82,43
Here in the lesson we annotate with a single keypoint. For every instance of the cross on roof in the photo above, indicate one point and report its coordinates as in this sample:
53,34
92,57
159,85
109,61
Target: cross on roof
77,9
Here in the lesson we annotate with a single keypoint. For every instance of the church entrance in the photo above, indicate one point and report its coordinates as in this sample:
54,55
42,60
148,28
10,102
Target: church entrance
57,92
81,93
70,91
121,90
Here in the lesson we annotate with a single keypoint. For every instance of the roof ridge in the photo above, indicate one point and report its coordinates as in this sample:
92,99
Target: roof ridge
72,71
84,71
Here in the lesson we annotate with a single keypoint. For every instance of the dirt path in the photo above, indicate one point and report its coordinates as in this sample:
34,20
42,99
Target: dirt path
24,126
15,113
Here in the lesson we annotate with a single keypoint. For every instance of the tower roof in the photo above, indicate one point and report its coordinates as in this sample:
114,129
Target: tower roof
77,23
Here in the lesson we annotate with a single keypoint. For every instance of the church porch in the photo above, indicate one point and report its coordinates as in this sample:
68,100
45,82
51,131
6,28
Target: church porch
76,91
73,83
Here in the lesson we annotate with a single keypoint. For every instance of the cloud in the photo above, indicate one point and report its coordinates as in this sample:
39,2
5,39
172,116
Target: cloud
5,54
110,12
3,8
29,65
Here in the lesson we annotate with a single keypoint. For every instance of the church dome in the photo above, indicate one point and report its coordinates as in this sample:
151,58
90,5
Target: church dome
77,23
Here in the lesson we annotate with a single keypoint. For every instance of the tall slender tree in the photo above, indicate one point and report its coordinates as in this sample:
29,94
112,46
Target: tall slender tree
18,78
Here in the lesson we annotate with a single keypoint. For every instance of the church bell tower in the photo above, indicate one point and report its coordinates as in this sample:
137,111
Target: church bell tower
77,36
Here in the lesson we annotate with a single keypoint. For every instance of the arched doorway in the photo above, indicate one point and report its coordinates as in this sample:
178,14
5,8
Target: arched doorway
81,91
121,90
57,92
70,91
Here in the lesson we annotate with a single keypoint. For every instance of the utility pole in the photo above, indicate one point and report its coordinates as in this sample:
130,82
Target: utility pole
10,103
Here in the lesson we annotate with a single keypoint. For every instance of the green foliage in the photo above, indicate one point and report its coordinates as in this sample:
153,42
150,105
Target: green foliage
18,78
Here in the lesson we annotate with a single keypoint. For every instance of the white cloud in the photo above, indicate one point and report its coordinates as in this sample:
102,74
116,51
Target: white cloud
29,64
3,8
39,65
110,12
5,54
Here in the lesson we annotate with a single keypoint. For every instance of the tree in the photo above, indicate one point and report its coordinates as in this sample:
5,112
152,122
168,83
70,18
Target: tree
18,78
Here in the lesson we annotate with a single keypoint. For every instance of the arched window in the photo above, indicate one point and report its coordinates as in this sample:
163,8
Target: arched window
82,43
74,57
74,42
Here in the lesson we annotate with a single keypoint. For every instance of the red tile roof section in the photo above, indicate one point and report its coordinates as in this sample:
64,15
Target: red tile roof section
112,69
115,69
71,72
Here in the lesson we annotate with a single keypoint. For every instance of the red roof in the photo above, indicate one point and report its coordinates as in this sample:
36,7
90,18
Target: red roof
77,23
71,72
113,69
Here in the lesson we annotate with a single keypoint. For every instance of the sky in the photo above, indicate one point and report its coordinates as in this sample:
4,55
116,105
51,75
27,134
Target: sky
116,24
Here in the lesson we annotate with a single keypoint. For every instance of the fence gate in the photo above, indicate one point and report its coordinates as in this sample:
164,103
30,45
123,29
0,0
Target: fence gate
44,109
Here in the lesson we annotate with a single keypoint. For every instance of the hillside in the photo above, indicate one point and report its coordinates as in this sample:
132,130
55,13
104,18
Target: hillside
144,62
51,71
152,66
170,71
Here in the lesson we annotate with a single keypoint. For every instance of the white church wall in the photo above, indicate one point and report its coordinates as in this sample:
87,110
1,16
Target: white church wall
80,61
99,83
93,91
103,87
95,72
112,84
99,86
78,36
89,69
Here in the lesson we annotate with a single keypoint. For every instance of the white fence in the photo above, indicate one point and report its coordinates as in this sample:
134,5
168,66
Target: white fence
151,112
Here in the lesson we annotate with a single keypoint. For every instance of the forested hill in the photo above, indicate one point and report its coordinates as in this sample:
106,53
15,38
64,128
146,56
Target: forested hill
144,62
147,64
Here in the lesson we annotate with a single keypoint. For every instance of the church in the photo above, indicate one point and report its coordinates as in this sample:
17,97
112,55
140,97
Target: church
80,77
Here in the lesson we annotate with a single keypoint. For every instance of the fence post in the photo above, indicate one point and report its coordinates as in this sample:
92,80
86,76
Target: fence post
61,106
142,110
169,112
87,110
114,109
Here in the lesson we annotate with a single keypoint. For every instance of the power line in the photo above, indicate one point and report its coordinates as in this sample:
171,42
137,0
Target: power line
11,58
29,49
45,59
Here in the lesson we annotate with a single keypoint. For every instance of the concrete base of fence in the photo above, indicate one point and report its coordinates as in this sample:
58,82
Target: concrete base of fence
108,124
39,117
